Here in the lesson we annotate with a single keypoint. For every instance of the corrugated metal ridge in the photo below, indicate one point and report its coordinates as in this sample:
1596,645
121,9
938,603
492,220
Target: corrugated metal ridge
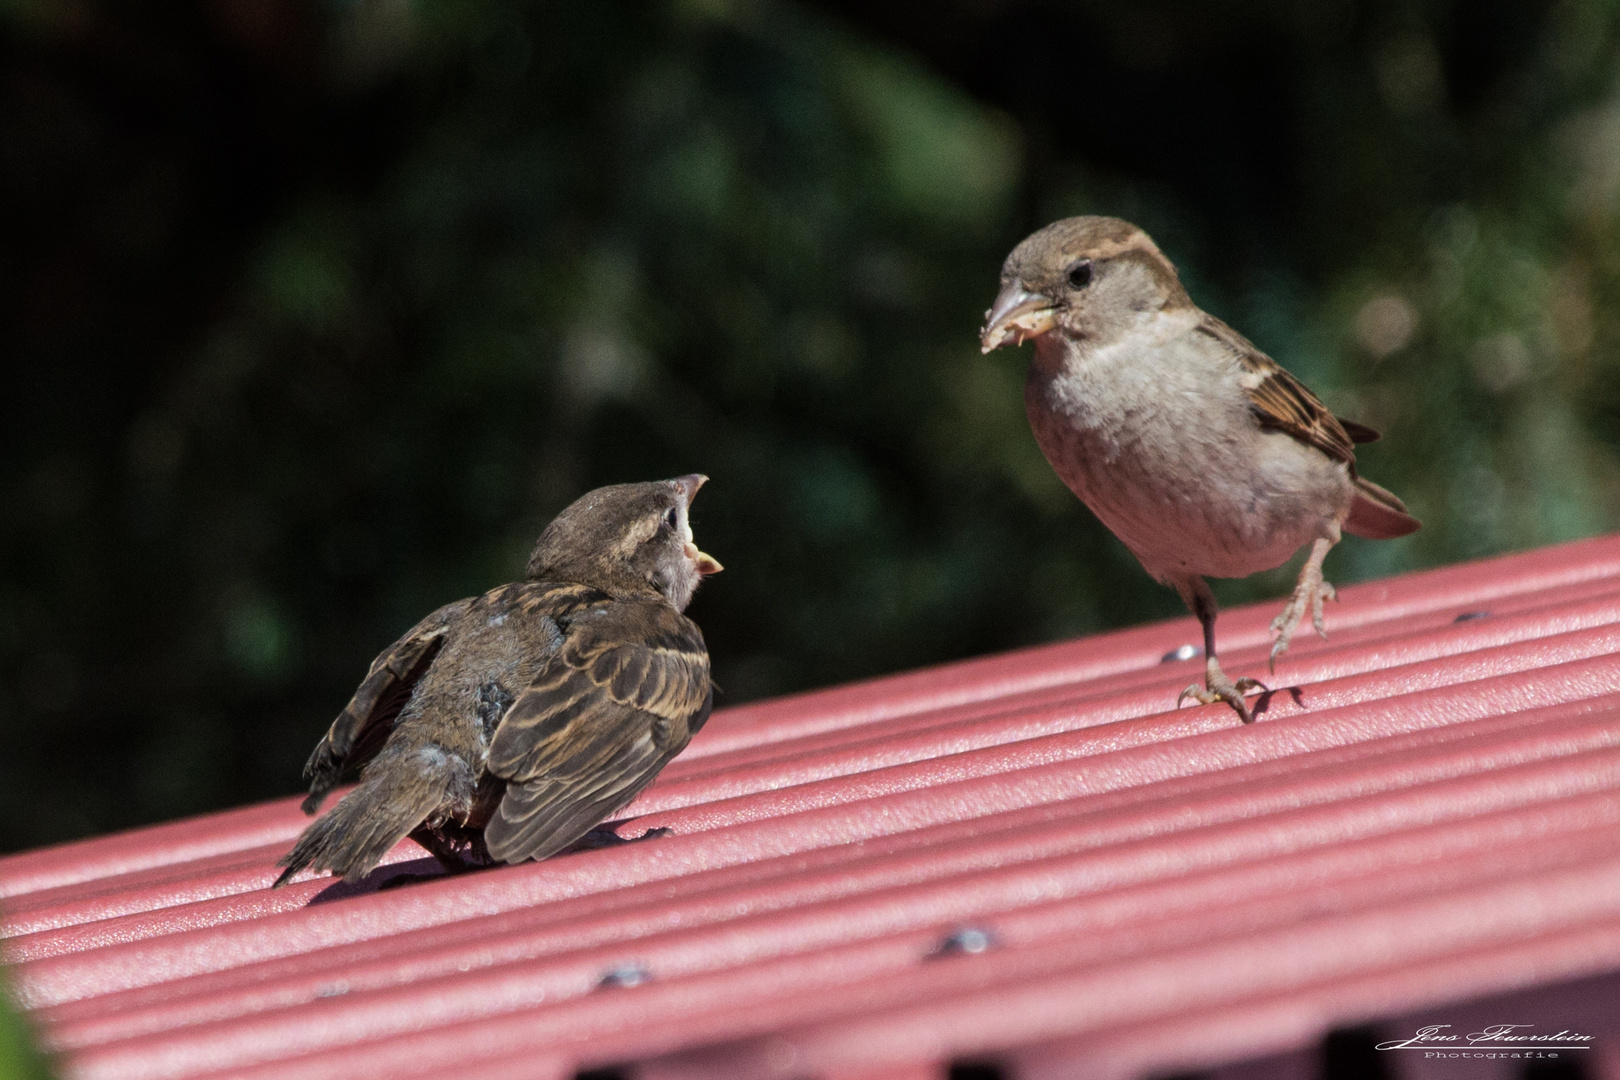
907,859
469,947
997,1008
1026,1002
910,910
1422,774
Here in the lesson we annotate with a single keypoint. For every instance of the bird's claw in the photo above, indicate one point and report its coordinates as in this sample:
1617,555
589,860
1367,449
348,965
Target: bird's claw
1217,687
1309,596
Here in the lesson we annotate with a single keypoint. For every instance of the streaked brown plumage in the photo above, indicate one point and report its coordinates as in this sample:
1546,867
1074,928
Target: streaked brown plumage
1195,448
506,726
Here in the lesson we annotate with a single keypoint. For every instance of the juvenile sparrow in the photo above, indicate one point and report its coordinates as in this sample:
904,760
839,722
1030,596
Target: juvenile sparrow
506,726
1196,449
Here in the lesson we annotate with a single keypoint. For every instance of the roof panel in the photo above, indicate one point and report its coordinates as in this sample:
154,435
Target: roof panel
1028,858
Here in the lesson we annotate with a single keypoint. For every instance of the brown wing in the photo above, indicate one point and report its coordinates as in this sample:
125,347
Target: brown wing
1283,403
1359,433
622,696
362,727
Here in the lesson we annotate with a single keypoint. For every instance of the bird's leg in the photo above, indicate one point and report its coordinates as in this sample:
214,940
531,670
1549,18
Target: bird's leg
457,848
1308,596
1217,687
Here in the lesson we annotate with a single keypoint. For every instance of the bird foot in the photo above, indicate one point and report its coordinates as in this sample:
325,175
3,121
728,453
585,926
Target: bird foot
1217,687
1308,596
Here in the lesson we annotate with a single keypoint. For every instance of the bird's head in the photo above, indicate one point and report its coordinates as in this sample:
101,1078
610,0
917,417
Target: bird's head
1088,277
626,539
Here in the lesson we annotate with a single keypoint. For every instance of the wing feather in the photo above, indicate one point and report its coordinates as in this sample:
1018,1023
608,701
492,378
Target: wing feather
1359,433
1281,402
363,726
623,696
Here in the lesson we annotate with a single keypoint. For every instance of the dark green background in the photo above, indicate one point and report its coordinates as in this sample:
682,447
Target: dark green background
313,311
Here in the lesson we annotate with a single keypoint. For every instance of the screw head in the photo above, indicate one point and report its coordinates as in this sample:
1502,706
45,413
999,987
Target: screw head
624,975
969,939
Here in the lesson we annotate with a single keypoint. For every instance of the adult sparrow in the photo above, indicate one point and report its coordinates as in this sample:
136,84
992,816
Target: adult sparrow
506,726
1196,449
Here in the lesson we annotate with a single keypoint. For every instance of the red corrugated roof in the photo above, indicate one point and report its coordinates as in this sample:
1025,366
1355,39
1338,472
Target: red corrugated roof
1028,859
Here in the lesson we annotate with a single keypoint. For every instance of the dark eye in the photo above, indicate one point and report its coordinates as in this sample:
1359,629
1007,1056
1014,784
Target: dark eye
1080,274
670,520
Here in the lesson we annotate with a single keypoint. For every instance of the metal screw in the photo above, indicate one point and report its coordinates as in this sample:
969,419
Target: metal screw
969,939
1180,652
625,975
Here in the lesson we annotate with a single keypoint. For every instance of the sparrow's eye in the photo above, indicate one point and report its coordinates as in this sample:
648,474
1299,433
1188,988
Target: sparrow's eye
670,521
1080,274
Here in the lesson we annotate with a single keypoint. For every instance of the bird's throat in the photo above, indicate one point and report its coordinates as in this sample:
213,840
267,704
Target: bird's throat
1056,351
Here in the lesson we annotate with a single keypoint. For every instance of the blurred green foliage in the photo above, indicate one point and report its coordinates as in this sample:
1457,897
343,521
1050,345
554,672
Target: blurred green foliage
20,1058
313,313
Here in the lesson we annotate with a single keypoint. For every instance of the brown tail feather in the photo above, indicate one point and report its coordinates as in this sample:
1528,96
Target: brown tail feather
396,795
1377,514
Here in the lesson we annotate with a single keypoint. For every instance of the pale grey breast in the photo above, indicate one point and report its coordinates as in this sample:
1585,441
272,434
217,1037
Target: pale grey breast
1200,490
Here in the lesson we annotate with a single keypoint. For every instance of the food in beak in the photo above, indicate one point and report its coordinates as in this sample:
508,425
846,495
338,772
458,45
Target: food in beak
1018,314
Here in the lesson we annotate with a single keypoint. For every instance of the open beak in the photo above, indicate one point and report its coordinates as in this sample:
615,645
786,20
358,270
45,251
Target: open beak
1017,314
706,564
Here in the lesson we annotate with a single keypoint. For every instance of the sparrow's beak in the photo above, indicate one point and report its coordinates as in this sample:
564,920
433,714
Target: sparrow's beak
1018,314
706,564
689,485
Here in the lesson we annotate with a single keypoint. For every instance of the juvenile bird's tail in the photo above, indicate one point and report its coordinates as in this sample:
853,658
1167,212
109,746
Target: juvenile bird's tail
397,793
1377,514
